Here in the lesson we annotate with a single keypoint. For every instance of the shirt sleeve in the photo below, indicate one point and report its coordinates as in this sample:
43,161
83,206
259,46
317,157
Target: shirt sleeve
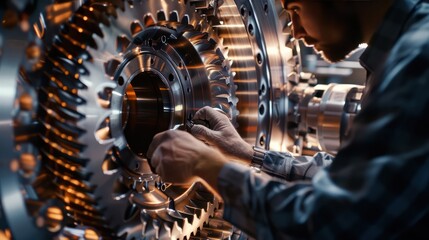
377,187
288,167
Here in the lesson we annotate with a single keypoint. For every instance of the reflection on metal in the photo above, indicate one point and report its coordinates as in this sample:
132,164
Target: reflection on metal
85,90
321,116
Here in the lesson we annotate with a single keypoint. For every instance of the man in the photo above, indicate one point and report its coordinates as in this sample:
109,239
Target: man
378,185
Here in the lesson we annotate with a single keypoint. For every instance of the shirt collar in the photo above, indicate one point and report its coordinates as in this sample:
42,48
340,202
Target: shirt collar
388,33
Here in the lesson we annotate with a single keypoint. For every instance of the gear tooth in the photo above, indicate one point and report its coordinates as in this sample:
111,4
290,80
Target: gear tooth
174,16
88,64
160,16
192,221
164,231
110,166
122,42
120,191
182,225
135,28
185,20
149,20
110,67
131,211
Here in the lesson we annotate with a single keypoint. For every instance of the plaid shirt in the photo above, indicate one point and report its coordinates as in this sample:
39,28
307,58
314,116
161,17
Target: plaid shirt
378,185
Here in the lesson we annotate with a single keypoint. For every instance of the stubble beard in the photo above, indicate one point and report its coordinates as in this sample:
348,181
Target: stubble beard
335,52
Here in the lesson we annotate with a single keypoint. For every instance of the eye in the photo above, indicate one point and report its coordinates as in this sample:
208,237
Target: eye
293,9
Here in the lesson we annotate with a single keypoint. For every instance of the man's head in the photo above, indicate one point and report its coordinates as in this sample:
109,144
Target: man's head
332,27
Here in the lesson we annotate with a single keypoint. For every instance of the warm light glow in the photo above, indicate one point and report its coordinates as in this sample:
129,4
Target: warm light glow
178,108
363,45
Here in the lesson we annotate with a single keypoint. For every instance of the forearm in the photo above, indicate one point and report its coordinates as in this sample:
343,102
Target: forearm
258,204
285,166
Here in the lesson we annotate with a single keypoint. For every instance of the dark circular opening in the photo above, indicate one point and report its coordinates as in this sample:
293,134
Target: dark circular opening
243,10
251,30
261,109
146,111
259,58
121,81
262,140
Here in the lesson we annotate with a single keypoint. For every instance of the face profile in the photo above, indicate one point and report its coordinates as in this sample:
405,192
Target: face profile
333,32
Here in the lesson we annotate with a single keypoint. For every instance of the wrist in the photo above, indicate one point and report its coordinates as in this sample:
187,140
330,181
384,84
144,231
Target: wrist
248,154
209,167
210,163
258,156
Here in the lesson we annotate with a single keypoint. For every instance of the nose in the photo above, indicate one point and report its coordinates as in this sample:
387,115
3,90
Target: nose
298,31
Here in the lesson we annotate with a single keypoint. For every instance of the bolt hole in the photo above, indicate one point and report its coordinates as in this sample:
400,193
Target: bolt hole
259,58
121,81
152,61
104,97
188,90
262,140
261,109
250,29
150,42
171,77
243,11
266,8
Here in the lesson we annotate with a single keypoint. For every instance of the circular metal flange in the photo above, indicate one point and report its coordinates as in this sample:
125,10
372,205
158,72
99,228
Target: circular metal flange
115,60
258,37
96,100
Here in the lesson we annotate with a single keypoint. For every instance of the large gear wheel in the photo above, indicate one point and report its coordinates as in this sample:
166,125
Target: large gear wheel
137,73
109,76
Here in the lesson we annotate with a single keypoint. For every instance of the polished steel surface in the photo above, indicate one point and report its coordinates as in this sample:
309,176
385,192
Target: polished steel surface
16,107
321,116
333,114
85,85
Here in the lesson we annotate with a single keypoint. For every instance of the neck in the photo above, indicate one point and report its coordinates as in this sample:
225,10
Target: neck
370,15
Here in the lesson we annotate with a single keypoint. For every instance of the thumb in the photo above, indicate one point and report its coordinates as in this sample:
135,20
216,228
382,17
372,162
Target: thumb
203,133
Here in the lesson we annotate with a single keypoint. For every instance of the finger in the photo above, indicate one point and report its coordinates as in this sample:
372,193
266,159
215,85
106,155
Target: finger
157,139
211,115
201,113
155,162
203,133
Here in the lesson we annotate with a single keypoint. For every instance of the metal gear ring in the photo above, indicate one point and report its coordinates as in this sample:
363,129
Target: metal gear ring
112,75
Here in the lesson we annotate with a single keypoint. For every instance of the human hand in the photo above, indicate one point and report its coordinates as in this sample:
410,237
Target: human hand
177,156
221,134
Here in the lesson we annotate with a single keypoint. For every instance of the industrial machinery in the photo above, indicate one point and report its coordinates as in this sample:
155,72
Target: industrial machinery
85,85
